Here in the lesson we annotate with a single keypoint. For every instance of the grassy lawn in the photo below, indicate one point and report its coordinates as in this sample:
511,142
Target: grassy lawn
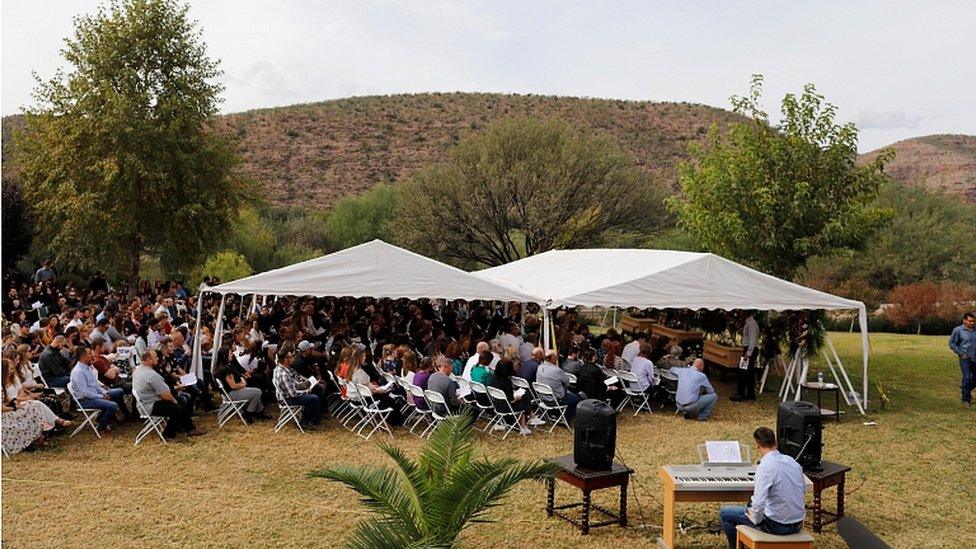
913,481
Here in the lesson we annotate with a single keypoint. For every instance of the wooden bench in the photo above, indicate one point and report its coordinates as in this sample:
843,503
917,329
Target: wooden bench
752,538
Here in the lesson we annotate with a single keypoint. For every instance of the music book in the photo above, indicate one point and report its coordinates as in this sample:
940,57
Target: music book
611,380
312,380
188,379
723,451
518,394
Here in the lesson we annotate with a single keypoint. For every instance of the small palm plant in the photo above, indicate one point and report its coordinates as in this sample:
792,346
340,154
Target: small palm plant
427,502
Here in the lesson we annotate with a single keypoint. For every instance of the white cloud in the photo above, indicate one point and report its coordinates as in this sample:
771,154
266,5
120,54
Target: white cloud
888,120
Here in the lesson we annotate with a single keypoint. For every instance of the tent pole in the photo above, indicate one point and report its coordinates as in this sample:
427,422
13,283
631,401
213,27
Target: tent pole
862,317
218,327
196,365
545,328
614,318
843,371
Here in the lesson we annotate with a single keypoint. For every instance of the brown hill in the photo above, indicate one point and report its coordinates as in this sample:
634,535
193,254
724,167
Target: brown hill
311,155
314,154
945,163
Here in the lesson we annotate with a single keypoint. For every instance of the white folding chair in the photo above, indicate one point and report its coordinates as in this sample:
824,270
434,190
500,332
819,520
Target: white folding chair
505,415
639,400
153,423
229,407
522,383
36,372
549,404
287,412
408,409
572,379
669,382
375,415
421,414
482,403
356,405
437,403
90,414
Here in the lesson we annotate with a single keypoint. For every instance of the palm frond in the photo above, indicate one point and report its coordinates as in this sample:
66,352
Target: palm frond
411,473
380,534
383,492
450,445
488,490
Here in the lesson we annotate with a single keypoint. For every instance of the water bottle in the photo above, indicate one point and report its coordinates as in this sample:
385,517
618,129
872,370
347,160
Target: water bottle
820,378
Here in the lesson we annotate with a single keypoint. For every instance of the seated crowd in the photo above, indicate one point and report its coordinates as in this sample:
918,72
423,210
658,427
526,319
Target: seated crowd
120,352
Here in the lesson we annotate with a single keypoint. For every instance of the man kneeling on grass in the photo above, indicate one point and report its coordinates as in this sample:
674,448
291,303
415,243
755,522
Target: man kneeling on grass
695,395
154,394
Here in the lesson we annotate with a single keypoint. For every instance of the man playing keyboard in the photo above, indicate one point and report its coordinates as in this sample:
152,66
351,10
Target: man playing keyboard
778,498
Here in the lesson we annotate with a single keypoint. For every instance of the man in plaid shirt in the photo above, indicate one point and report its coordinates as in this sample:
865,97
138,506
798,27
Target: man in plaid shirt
293,387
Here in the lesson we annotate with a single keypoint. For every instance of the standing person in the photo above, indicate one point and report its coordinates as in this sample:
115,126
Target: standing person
695,395
45,273
156,398
963,343
745,378
777,505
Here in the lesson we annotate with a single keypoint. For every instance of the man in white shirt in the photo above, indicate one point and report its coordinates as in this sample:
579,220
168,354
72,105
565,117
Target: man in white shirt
632,349
473,360
745,378
777,505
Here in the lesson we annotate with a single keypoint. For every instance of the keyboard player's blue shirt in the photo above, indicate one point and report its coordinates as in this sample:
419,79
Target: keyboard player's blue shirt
780,489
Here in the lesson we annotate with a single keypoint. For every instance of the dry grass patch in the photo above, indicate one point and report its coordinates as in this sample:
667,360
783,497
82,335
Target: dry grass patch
912,483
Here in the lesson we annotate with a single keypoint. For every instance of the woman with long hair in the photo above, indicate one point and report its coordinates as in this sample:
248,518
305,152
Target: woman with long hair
25,419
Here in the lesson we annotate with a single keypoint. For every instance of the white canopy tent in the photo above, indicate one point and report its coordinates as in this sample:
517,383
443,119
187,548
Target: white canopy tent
662,279
374,269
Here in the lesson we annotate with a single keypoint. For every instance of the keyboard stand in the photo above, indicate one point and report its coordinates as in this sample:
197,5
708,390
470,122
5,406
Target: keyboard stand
672,496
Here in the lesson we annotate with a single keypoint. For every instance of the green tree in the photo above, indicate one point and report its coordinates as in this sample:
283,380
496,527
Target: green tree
773,197
119,155
929,239
226,266
18,224
427,502
524,187
355,220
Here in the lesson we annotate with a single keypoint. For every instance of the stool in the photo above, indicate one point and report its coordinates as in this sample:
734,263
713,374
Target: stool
752,538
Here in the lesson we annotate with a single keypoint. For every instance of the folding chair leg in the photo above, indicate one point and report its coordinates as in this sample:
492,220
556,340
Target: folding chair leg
89,417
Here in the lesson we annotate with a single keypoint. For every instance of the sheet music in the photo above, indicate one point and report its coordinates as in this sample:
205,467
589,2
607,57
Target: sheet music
188,379
723,451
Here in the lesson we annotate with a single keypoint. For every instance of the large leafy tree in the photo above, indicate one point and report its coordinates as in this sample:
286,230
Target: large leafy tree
524,187
772,196
359,219
929,238
18,224
119,157
429,501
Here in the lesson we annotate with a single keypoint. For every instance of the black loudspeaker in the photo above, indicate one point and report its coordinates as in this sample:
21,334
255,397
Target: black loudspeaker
595,435
799,432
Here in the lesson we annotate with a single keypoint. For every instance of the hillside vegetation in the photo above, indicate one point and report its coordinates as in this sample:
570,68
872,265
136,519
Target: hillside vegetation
312,155
945,163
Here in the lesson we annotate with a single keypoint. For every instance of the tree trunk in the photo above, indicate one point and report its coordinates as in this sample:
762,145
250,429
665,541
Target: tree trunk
134,258
919,330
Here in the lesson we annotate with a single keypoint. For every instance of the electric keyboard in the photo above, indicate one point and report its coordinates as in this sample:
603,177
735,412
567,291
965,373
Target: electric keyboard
711,478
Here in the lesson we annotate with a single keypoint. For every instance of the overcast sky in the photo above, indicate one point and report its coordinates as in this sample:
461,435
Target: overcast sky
897,69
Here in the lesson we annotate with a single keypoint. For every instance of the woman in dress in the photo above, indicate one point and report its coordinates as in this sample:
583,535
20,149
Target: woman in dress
25,419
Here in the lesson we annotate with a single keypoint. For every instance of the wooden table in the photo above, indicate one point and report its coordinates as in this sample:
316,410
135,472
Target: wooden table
832,474
588,480
672,496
